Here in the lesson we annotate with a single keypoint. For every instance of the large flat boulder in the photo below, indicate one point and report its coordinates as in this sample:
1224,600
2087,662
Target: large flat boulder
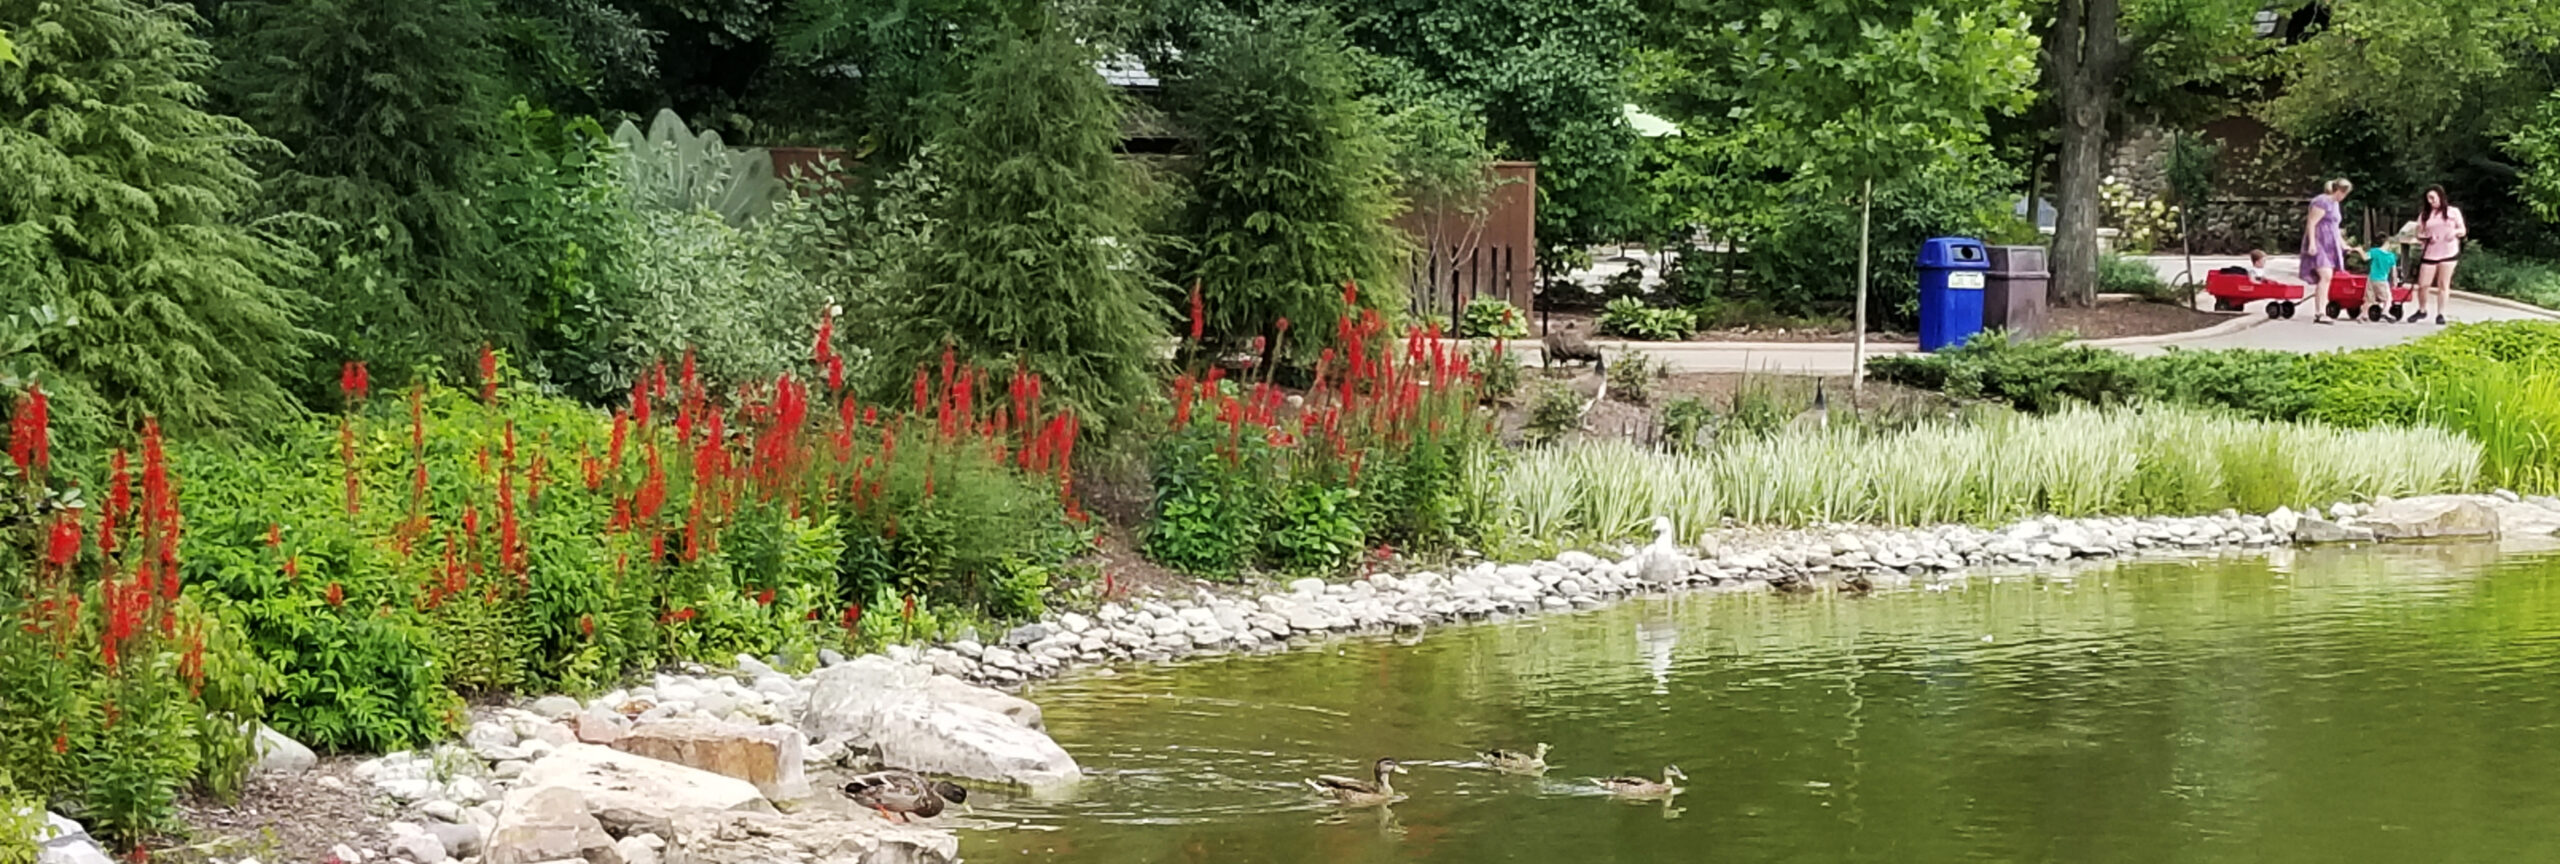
2526,518
900,711
767,756
549,824
2431,516
635,788
806,838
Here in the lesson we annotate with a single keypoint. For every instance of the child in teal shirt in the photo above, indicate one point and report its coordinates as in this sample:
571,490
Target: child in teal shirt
2382,271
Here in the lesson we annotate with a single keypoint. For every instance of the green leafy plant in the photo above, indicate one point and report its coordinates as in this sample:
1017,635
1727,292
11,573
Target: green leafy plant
1632,318
1493,318
1499,372
670,167
1554,411
1313,528
2118,274
1687,423
1631,378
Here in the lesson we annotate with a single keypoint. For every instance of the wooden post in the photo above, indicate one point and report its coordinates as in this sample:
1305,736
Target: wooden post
1858,356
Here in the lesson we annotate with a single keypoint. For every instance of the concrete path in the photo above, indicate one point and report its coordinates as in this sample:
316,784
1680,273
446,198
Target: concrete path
2253,330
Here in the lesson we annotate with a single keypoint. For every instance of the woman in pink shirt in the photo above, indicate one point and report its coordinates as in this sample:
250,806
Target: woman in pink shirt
2441,231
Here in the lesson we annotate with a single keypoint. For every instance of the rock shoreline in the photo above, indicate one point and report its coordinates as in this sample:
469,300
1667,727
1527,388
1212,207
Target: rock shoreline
719,749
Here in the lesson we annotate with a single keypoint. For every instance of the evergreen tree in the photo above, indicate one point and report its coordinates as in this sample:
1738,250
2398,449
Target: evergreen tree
1293,190
389,113
1041,259
121,212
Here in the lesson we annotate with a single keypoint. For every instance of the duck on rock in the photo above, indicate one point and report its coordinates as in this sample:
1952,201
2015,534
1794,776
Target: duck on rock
904,793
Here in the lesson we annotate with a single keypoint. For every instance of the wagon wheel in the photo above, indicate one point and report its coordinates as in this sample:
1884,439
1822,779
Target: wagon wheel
2224,304
2373,312
2336,310
2290,306
2398,312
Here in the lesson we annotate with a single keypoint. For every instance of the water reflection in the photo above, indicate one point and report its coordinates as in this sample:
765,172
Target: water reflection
2330,705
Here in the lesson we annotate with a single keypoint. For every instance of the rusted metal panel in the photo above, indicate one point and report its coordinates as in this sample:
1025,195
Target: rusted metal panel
1460,255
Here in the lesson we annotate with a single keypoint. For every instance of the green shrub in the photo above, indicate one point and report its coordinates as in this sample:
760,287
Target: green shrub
1631,378
2513,277
2041,375
1498,371
1313,528
2119,274
128,222
1291,195
1207,519
1687,423
1633,319
1042,260
1493,318
1554,411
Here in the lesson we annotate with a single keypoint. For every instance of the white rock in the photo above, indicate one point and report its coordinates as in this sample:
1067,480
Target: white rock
278,754
408,789
1074,623
1306,586
63,841
554,707
422,847
916,723
442,811
466,791
636,850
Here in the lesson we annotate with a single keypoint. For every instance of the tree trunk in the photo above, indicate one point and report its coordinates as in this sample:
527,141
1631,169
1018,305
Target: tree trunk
2084,55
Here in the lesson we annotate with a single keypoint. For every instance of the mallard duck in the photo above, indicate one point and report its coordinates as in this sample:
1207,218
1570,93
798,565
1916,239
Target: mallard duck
904,793
1639,787
1514,761
1361,793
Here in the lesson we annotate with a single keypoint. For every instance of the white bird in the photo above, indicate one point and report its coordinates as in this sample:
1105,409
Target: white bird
1663,560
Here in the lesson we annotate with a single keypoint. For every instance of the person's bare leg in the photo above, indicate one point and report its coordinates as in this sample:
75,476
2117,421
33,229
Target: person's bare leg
2319,298
2426,284
2444,285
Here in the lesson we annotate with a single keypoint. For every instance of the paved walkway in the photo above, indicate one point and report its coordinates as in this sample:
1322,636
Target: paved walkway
2253,330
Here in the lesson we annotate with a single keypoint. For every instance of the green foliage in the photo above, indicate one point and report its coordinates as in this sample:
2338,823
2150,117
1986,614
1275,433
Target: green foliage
1492,318
1554,412
1207,518
1687,423
122,213
1041,260
671,168
1808,262
2119,274
2497,274
387,112
734,297
1498,371
950,525
1313,528
1291,192
2081,461
572,239
2536,143
1631,378
1635,319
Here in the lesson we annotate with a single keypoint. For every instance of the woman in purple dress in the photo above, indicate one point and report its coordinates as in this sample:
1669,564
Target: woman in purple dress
2323,248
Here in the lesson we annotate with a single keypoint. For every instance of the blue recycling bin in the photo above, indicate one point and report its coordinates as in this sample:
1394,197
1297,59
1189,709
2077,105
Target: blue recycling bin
1952,271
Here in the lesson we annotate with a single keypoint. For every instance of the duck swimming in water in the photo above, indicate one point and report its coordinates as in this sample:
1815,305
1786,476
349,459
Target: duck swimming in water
1641,787
1362,793
1514,761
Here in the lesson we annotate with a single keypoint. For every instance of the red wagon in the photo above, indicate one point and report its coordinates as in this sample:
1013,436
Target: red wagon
2347,299
2231,291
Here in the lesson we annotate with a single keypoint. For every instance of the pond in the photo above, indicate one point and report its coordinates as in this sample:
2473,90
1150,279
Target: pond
2333,705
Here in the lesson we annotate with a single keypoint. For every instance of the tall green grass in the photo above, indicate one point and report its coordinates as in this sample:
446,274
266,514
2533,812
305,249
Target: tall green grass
2077,462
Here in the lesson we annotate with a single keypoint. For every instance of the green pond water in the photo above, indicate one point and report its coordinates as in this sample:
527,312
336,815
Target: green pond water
2352,705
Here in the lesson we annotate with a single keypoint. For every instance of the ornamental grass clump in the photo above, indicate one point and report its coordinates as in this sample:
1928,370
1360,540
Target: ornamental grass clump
2078,462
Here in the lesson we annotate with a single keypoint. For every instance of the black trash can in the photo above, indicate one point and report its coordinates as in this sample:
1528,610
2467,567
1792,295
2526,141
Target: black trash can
2016,293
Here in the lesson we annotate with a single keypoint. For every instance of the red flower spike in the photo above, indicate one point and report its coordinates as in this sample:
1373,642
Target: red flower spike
488,374
335,596
1199,319
64,542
